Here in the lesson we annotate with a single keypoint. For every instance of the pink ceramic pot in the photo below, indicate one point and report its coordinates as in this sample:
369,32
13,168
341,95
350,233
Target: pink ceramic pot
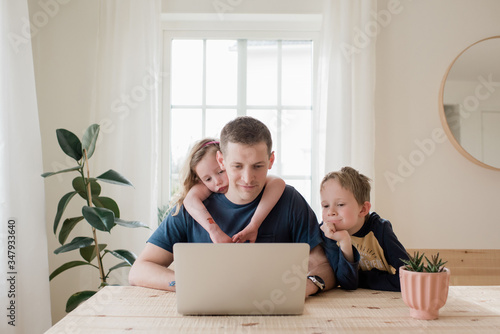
425,293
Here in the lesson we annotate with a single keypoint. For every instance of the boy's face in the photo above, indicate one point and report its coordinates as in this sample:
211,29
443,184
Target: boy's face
246,167
340,208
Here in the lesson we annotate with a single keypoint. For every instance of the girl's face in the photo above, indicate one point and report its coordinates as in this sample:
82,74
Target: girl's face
210,173
340,208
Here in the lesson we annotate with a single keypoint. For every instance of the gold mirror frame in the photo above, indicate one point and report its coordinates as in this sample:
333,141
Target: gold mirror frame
442,114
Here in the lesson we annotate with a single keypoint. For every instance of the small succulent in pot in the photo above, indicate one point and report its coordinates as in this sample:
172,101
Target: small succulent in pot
424,286
416,263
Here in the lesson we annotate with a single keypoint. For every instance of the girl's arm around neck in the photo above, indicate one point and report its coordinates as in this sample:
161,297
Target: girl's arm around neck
194,204
272,193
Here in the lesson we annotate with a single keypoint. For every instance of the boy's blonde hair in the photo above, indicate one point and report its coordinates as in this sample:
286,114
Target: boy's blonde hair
187,176
352,180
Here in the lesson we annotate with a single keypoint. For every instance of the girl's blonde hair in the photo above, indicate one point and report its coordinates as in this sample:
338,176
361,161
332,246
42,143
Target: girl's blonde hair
350,179
188,177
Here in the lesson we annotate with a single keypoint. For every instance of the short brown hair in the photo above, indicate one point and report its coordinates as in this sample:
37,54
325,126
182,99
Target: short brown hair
187,176
352,180
245,130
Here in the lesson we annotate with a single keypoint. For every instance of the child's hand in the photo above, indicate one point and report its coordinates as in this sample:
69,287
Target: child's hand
342,237
218,236
248,233
332,233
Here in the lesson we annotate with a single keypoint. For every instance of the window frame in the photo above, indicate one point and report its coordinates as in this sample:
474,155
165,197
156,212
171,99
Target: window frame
235,26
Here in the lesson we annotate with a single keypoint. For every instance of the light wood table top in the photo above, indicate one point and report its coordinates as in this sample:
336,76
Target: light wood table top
125,309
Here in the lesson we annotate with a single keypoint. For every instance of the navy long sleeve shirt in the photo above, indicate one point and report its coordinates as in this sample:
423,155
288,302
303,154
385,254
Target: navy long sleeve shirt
377,257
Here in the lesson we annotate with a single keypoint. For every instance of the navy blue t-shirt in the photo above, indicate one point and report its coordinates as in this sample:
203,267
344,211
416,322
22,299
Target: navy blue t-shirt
291,220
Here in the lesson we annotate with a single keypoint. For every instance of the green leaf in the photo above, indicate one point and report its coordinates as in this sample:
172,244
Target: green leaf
435,265
130,224
89,139
62,171
61,206
79,185
89,253
69,143
414,263
67,266
76,243
124,255
67,227
78,298
108,203
101,218
114,177
119,265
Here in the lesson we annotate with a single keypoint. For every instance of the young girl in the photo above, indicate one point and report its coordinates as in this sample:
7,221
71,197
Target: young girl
201,175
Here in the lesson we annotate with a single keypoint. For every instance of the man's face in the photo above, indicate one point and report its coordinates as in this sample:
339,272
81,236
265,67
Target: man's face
246,167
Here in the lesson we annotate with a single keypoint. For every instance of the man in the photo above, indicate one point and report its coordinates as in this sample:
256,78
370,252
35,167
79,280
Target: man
246,156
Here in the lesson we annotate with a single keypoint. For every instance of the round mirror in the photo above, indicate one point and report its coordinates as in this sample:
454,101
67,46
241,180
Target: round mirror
469,102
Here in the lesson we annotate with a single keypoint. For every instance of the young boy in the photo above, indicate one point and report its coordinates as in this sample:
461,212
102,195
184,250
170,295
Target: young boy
360,246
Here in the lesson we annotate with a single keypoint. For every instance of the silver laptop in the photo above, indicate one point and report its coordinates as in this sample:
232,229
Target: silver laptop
240,279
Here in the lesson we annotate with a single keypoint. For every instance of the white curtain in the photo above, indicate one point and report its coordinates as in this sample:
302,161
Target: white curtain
347,84
24,284
125,103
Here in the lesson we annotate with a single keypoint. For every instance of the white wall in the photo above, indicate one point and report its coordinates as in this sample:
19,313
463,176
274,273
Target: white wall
446,201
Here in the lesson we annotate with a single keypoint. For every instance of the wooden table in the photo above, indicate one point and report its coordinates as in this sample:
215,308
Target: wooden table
134,309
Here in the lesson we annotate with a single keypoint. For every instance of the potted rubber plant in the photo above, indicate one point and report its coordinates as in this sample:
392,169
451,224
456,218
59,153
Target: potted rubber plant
101,213
424,285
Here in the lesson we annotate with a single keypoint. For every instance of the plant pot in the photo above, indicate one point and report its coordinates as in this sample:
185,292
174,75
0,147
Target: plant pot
425,293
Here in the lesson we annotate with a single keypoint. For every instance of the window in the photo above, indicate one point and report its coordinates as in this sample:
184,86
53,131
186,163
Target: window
213,80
